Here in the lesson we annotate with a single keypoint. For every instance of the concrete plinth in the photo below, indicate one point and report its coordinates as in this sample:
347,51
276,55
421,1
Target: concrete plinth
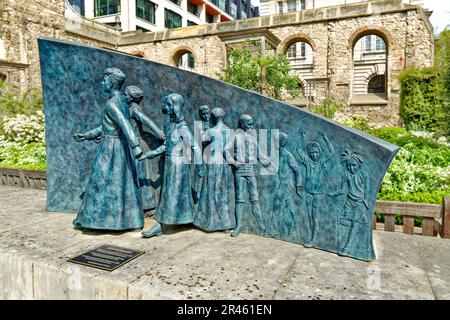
188,263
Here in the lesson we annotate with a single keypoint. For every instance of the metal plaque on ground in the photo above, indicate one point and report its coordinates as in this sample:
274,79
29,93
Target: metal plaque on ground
106,257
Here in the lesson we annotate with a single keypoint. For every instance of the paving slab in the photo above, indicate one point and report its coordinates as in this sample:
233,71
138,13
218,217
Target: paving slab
187,263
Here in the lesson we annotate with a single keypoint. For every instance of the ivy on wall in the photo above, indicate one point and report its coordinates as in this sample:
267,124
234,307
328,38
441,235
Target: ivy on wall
425,93
422,100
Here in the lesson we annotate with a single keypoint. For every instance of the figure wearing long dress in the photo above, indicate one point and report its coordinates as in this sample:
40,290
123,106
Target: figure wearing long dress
215,210
203,112
243,156
112,200
288,184
356,214
176,205
316,164
133,96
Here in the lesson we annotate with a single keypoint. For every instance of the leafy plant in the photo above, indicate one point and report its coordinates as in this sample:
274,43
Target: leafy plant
26,103
422,100
268,75
358,122
328,109
28,156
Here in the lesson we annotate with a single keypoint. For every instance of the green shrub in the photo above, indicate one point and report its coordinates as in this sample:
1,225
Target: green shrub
328,109
27,156
389,133
422,100
419,173
358,122
26,103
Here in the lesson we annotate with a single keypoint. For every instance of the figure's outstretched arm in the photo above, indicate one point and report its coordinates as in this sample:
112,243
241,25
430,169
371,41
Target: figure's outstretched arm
154,153
119,119
156,131
190,142
89,135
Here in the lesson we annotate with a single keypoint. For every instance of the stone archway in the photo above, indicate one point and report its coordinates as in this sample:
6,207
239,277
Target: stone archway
181,51
298,37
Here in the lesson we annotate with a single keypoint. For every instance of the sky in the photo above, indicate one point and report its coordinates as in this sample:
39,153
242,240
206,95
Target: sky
441,13
440,18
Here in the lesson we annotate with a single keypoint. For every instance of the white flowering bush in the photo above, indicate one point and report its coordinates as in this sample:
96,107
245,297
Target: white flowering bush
406,177
31,155
22,141
24,129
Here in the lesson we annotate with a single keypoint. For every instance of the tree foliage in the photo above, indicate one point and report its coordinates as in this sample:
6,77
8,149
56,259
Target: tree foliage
268,75
27,102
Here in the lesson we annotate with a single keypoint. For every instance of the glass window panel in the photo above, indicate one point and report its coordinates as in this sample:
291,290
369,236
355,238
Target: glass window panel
233,10
172,19
192,8
145,9
291,5
78,6
368,43
380,45
186,61
106,7
280,7
209,18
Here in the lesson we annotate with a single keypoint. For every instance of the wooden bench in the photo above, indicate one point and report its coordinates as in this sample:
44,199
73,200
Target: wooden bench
429,212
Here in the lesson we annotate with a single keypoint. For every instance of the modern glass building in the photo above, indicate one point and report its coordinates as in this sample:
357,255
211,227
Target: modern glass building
152,15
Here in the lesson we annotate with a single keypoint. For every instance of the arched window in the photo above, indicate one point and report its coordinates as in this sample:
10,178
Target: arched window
369,65
299,53
186,61
300,57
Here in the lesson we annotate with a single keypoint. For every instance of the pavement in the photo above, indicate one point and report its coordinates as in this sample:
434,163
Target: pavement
188,263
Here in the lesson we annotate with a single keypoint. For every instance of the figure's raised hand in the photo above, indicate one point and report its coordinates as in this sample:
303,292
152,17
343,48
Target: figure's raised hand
137,152
323,134
98,139
201,172
79,137
265,162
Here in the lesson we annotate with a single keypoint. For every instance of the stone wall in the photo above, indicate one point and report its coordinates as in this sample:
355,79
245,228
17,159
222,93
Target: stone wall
23,21
332,32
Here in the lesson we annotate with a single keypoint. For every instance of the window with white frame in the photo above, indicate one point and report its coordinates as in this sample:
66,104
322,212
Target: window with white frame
292,5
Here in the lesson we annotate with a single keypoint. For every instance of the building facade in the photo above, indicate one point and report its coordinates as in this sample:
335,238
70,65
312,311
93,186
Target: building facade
334,53
152,15
268,7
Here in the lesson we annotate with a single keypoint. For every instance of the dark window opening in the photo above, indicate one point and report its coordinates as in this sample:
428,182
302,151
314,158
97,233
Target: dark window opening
186,61
78,6
172,19
192,8
145,9
142,29
106,7
377,84
209,18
